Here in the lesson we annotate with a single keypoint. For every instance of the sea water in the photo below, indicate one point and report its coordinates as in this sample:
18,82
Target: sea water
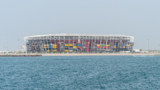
80,73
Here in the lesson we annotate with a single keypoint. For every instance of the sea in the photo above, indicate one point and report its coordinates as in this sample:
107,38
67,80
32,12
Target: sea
80,73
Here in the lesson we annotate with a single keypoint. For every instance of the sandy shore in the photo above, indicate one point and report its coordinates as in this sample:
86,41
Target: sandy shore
103,54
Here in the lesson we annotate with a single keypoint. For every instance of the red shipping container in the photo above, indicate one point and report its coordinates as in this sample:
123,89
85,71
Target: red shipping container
107,47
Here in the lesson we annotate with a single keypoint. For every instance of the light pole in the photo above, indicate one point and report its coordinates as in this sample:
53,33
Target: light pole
148,44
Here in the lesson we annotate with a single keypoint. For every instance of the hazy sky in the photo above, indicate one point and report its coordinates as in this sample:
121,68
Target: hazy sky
20,18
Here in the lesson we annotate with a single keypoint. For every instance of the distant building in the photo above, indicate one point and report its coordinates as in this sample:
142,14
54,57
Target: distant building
78,43
23,48
137,50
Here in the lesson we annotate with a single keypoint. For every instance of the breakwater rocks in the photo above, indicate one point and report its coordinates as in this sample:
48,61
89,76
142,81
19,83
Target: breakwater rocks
20,55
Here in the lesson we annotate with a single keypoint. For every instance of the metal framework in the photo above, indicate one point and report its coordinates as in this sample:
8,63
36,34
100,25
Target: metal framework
78,43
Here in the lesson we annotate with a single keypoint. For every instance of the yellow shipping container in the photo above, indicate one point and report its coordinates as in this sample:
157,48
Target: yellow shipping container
74,46
70,44
48,51
44,46
107,45
66,50
54,46
98,45
129,45
66,45
114,47
54,50
124,47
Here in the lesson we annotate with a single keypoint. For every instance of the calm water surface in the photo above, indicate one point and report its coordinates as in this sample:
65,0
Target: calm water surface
80,73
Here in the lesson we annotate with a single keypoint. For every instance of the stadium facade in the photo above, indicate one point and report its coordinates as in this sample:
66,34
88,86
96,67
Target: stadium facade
78,43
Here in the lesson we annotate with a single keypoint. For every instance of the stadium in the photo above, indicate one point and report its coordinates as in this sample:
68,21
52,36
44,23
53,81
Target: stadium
78,43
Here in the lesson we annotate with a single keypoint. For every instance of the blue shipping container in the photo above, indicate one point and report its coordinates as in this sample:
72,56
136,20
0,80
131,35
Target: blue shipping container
79,44
50,46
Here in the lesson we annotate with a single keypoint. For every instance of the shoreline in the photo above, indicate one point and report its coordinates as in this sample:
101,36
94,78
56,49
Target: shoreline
103,54
78,54
20,55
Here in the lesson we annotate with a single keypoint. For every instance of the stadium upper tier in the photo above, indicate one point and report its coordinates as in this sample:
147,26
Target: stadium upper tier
77,43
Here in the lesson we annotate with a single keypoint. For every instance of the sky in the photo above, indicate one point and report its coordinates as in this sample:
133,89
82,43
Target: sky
138,18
